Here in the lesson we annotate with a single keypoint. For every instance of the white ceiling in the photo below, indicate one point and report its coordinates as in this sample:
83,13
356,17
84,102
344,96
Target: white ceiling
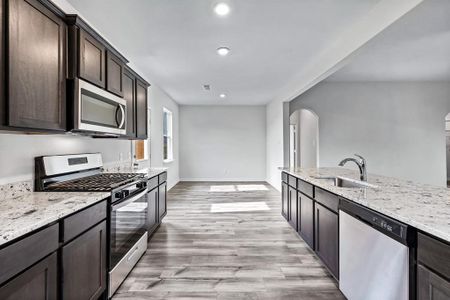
415,48
272,41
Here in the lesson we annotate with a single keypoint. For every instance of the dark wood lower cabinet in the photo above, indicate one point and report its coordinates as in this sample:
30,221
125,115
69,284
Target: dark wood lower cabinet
284,200
84,265
162,200
327,237
293,208
307,219
431,286
153,214
38,282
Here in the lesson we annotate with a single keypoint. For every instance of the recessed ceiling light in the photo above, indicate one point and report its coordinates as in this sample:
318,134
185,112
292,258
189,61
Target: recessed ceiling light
223,96
223,51
222,9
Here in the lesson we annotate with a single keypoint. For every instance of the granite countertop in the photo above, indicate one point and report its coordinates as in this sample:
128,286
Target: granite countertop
26,213
422,206
151,172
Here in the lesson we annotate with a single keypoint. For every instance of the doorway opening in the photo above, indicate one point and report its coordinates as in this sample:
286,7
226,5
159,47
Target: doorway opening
447,136
304,139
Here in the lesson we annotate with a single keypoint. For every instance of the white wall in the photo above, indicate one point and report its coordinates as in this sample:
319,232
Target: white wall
308,138
157,100
398,127
17,151
274,143
222,143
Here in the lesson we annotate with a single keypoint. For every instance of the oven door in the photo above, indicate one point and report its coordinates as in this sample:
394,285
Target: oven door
98,110
129,219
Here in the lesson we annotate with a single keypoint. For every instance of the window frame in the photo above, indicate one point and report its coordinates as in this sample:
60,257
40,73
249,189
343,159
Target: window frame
169,136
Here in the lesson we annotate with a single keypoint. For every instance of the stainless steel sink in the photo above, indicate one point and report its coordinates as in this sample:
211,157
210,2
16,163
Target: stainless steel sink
345,182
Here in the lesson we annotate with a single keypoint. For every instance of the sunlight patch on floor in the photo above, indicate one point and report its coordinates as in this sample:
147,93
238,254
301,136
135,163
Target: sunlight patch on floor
238,207
251,187
238,188
222,188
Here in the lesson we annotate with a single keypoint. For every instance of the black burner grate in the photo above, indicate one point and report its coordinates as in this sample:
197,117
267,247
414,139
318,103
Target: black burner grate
104,182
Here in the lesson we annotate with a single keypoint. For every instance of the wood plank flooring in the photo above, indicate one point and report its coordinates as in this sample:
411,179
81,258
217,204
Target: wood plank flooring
227,241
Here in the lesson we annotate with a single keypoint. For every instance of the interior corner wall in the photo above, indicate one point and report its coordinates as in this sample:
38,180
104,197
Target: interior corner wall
222,143
276,124
398,126
157,100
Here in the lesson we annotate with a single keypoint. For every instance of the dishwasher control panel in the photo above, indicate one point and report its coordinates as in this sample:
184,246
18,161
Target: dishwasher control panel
393,228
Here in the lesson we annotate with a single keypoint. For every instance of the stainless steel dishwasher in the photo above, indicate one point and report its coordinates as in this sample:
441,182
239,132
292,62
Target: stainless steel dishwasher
374,255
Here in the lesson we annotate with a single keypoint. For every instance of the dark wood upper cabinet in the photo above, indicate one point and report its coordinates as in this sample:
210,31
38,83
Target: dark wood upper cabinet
38,282
129,88
92,59
37,67
141,110
84,265
327,237
114,74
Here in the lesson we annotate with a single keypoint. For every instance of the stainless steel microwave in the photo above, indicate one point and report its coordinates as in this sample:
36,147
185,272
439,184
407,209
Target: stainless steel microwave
98,111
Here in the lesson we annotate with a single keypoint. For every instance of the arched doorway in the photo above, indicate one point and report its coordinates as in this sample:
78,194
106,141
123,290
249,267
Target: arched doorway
304,139
447,130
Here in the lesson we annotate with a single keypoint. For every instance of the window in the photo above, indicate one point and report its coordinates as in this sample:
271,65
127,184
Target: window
167,136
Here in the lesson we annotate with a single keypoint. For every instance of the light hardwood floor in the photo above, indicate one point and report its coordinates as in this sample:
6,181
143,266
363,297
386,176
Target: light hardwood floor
227,241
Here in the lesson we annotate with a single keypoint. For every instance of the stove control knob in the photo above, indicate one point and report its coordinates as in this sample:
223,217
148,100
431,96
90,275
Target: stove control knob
119,195
141,185
125,193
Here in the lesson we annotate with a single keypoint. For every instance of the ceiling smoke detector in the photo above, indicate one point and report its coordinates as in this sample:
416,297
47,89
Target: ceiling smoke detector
206,87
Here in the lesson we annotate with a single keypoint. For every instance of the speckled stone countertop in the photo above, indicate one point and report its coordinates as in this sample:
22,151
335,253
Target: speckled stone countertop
424,207
23,214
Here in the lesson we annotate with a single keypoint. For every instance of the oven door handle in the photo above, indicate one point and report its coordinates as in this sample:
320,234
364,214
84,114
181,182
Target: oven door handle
129,200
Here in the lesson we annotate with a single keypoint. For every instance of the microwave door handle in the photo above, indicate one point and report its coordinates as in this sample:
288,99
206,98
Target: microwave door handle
122,122
117,119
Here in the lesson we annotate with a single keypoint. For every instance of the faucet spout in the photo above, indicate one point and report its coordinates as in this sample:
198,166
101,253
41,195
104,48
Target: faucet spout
361,163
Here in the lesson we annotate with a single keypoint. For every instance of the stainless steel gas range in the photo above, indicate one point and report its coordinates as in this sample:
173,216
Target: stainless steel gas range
128,205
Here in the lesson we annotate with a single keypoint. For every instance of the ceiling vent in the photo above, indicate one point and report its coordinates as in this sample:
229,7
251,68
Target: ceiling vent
206,87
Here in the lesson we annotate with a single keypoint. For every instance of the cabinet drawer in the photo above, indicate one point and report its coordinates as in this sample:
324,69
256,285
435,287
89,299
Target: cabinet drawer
163,177
83,220
434,254
306,188
152,183
24,253
327,199
292,181
284,177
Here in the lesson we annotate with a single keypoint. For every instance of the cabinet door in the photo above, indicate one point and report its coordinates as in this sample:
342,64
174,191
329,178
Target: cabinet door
114,74
162,201
84,265
431,286
37,72
284,200
92,59
141,110
293,208
327,235
307,220
38,282
129,87
153,212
